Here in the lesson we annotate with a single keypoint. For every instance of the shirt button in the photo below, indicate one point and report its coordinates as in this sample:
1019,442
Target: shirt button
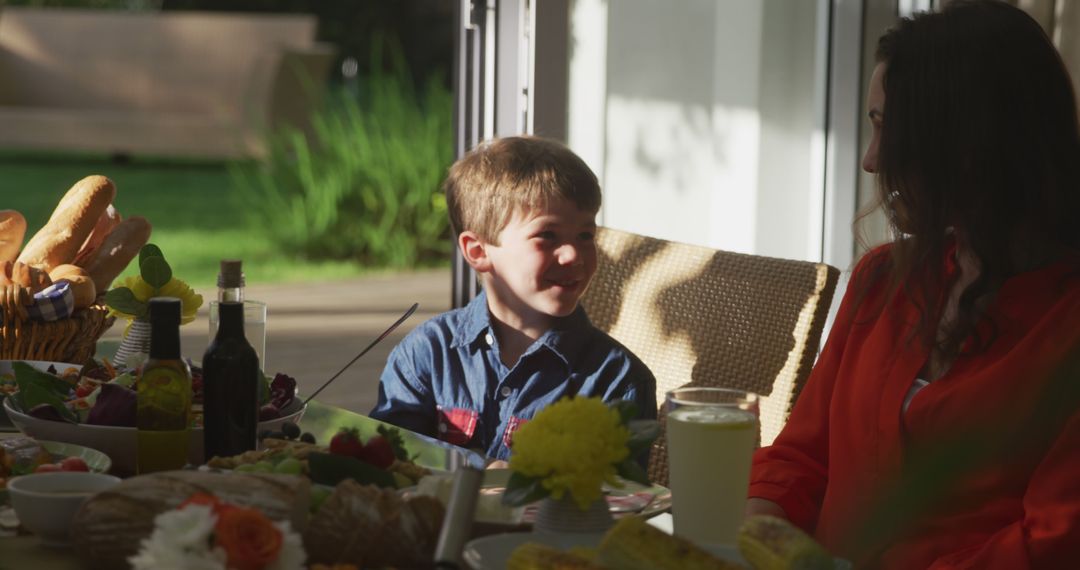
442,427
490,340
505,391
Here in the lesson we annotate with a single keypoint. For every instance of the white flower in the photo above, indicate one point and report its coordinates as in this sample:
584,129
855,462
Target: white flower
292,555
181,541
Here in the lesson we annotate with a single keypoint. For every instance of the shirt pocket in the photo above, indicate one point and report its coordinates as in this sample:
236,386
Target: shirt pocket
512,426
456,425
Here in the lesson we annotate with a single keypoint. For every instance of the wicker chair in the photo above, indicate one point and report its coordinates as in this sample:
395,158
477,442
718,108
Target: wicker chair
702,317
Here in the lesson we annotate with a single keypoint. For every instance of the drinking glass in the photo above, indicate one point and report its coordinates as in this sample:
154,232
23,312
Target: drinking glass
254,327
711,435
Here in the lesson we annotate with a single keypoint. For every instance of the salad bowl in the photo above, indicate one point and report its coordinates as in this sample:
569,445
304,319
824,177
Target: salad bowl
7,380
119,443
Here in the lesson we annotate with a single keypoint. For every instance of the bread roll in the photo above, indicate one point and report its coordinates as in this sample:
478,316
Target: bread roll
70,224
82,287
30,277
6,268
12,231
108,221
119,248
110,525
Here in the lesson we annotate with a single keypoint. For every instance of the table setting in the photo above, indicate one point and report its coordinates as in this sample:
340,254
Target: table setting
137,456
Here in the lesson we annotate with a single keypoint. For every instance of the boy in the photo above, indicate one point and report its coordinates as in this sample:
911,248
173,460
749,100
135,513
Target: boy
524,210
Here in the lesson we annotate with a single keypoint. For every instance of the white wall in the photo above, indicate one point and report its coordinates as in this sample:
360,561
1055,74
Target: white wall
700,117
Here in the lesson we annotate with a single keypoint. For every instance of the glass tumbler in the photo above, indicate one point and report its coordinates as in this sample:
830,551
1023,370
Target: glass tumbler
711,436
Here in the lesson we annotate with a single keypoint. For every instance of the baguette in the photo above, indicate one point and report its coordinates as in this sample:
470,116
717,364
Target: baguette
70,224
82,287
12,232
108,221
119,248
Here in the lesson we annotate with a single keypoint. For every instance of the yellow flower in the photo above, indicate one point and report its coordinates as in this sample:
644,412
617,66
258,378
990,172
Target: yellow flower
190,301
574,445
141,289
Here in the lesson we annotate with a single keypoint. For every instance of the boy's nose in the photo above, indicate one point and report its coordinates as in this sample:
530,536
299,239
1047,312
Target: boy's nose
568,254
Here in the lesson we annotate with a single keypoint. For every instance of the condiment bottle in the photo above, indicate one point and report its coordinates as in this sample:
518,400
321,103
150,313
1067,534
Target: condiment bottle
230,387
163,409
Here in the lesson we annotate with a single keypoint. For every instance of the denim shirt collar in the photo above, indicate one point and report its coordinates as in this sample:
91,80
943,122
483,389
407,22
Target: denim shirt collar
565,338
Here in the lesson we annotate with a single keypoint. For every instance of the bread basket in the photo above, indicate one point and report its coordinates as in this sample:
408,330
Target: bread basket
70,339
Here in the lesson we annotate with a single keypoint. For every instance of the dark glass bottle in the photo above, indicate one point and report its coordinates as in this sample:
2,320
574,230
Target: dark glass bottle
230,387
163,408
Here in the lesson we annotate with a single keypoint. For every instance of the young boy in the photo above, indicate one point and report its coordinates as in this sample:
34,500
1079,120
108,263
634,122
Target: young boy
524,210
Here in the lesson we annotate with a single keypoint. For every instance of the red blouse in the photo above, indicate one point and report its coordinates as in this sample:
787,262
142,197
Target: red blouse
847,442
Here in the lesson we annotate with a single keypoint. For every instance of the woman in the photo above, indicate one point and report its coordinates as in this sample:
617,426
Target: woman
938,428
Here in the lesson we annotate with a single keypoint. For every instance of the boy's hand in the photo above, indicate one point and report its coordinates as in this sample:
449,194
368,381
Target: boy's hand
498,464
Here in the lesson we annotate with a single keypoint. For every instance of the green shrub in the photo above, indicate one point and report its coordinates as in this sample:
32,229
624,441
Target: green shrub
365,184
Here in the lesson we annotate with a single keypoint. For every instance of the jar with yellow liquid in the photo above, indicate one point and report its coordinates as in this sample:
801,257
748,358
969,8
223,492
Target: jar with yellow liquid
164,393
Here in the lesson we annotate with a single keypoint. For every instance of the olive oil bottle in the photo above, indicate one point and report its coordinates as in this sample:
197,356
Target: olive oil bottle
164,393
230,387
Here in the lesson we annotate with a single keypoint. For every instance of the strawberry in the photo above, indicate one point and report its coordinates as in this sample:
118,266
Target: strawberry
378,452
347,442
74,464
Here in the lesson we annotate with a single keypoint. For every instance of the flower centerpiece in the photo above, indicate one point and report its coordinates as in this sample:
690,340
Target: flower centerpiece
131,300
569,450
204,533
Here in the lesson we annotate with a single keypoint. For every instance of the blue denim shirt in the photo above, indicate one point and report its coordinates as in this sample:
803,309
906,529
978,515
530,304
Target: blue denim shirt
445,379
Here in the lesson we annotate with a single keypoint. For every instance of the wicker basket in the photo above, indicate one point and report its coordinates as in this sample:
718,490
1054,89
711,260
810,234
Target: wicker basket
67,340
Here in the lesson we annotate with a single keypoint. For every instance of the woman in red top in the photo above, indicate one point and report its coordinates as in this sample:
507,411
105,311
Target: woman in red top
940,426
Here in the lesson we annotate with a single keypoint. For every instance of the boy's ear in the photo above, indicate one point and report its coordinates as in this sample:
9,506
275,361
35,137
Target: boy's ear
474,250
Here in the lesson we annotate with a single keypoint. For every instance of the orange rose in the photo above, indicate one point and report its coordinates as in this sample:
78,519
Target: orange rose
250,539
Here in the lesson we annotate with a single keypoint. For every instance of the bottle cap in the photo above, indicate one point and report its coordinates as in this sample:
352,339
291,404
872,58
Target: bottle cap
231,274
165,311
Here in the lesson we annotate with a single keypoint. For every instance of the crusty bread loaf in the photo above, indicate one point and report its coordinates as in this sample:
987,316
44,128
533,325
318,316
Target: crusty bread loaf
374,528
108,221
82,287
12,231
119,248
110,525
70,224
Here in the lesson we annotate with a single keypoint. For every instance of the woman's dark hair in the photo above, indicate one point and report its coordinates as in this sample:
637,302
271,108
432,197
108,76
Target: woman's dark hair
979,139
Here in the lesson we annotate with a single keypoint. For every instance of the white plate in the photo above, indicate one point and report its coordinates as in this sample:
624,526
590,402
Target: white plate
492,552
631,498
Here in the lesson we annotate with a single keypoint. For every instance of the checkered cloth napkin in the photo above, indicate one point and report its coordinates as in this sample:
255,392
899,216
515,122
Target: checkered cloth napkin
52,303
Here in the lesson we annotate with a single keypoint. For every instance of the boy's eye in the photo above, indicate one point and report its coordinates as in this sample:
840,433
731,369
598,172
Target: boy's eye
546,235
585,236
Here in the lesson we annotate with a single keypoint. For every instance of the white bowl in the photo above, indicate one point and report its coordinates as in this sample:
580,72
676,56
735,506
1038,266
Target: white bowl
119,443
46,502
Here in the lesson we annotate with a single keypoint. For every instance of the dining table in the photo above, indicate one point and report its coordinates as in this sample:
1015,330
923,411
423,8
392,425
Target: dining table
320,419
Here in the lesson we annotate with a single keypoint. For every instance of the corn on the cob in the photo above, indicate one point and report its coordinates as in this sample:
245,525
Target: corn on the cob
633,544
772,543
533,556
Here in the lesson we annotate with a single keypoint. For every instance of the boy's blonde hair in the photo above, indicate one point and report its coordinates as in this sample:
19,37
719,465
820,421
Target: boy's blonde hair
499,177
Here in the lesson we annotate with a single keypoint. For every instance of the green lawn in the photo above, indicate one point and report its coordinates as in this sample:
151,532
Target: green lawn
196,222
